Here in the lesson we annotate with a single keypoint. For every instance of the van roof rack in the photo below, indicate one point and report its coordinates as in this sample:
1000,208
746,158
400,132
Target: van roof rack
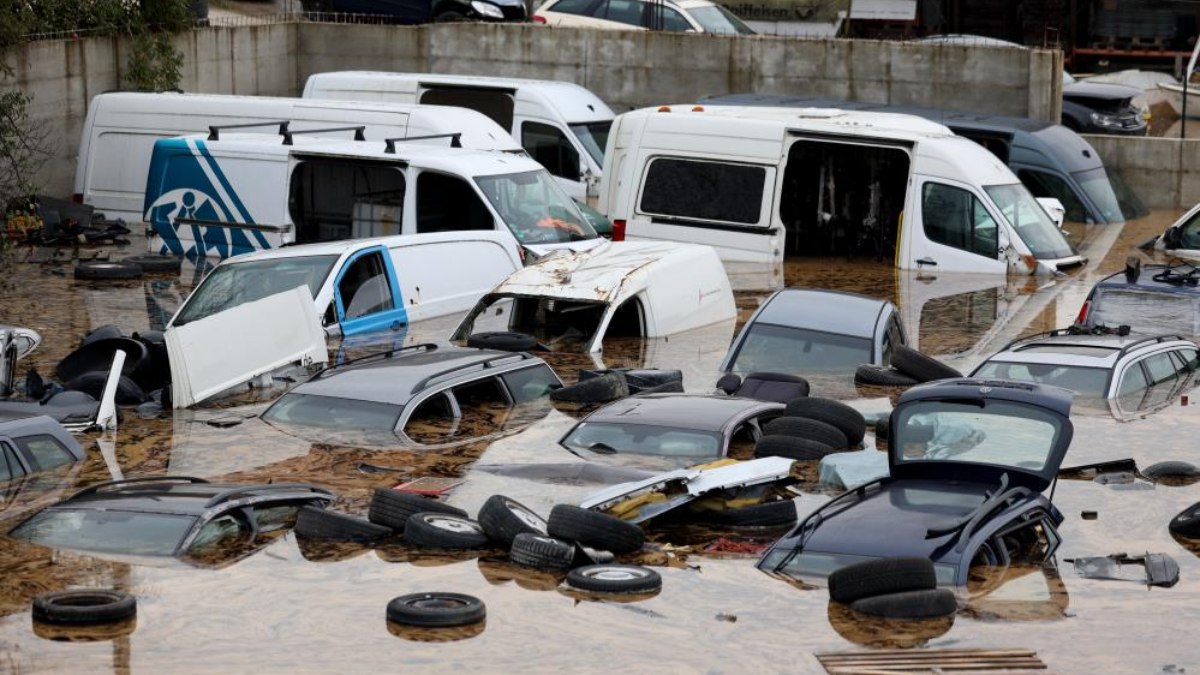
214,130
359,132
391,142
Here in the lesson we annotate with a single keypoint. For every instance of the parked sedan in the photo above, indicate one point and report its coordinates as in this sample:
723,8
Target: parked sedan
35,444
697,16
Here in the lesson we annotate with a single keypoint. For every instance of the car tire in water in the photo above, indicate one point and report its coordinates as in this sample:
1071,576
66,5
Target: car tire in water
595,529
848,420
502,519
803,427
93,383
924,604
881,429
155,262
614,579
1172,473
791,447
919,366
443,530
881,577
106,270
101,333
436,610
664,388
767,514
98,355
882,376
322,524
84,606
392,508
599,389
541,552
1187,522
506,341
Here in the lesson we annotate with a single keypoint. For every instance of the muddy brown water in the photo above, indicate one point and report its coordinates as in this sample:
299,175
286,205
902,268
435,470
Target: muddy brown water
280,606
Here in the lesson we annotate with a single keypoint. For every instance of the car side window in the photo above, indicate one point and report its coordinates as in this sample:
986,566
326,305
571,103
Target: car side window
672,21
10,466
275,516
1133,380
365,288
218,532
1160,368
623,11
743,440
956,218
44,451
1042,184
1189,358
551,148
702,190
581,7
449,204
530,384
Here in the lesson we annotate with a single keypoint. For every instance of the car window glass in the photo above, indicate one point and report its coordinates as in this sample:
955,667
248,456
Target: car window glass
1189,233
574,6
551,148
275,517
1042,184
44,451
530,384
448,203
433,420
1001,433
956,218
231,285
339,199
797,351
364,287
717,191
1085,381
498,105
330,412
1160,368
623,11
1190,358
1133,380
219,532
111,531
535,208
9,466
673,21
644,439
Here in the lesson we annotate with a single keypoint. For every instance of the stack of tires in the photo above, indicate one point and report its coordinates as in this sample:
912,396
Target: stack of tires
130,267
146,369
810,428
603,386
909,367
893,588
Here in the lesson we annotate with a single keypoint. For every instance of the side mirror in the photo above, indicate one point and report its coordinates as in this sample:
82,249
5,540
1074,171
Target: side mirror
1053,208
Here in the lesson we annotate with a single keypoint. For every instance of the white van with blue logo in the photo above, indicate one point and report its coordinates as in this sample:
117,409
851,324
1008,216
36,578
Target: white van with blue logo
232,193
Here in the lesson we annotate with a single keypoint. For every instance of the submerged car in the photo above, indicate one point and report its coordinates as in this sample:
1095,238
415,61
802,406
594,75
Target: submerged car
968,461
187,518
1095,366
15,344
801,330
1095,108
1149,299
683,429
692,16
35,444
425,394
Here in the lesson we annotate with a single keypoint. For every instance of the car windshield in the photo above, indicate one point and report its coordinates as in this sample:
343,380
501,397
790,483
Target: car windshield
644,439
796,350
1087,382
1110,194
818,564
234,284
329,412
997,433
561,325
717,19
107,531
1146,311
593,136
535,208
1030,221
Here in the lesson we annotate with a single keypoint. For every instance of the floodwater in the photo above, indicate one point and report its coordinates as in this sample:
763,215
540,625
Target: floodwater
280,606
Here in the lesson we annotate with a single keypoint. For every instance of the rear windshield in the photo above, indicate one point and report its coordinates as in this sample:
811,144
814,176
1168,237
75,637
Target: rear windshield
107,531
235,284
1087,382
329,412
593,136
535,208
796,351
644,439
997,433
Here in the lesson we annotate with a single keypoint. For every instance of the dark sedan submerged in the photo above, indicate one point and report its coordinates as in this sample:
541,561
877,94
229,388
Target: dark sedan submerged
968,462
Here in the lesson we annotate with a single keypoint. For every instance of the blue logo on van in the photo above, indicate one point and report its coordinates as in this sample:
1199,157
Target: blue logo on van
186,189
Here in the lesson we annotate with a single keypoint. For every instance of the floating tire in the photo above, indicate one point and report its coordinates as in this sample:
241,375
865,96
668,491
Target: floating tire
93,383
595,529
923,604
1187,522
436,610
664,388
152,263
600,389
502,519
103,270
325,525
881,577
767,514
102,332
392,508
848,420
541,552
443,530
614,579
85,606
881,376
803,427
881,429
791,447
919,366
506,341
1172,473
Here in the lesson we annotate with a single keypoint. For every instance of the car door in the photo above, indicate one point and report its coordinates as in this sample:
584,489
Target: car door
366,296
554,148
11,465
954,231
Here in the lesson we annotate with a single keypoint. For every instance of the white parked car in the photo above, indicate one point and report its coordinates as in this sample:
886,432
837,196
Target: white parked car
697,16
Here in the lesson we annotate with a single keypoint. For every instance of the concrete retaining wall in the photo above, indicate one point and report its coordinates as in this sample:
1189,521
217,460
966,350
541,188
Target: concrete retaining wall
1164,172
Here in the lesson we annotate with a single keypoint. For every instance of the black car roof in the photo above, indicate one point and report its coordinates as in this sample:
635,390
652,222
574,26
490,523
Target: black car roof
177,495
701,412
1054,398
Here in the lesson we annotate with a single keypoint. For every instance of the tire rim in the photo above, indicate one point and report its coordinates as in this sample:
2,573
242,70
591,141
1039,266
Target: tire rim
452,524
526,516
437,603
615,574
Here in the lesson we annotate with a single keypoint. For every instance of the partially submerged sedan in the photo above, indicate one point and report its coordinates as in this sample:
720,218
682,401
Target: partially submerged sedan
968,462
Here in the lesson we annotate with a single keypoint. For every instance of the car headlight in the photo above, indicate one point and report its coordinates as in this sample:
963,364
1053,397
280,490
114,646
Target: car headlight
1099,119
487,9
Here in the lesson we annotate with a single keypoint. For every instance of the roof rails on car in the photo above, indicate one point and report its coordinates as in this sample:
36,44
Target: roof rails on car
214,130
359,132
1121,330
484,364
424,346
391,142
242,490
96,487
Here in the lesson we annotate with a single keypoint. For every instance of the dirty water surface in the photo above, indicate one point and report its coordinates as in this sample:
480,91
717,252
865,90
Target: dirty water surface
282,605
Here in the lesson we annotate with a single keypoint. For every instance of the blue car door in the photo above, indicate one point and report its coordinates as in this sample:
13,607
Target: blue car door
366,294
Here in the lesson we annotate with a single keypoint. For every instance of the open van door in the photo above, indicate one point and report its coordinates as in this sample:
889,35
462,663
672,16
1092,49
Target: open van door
366,296
951,229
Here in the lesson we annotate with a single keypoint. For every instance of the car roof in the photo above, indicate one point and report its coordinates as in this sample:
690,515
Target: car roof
395,377
343,246
827,311
1099,351
1147,282
171,495
700,412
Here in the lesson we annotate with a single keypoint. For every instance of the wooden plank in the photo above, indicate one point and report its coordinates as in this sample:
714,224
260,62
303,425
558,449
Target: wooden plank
958,661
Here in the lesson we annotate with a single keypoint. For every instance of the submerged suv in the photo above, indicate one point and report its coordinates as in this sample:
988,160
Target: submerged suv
1149,299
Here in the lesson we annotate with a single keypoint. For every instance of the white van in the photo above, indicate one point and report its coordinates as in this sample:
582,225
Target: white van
561,125
121,128
363,285
758,184
232,193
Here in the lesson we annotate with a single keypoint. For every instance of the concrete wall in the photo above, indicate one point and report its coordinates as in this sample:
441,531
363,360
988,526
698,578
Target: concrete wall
626,68
1164,172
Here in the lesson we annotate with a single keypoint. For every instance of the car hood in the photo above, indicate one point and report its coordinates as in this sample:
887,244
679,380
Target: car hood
1098,91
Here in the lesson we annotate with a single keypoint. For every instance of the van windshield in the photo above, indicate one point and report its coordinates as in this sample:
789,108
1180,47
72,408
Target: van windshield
593,136
1030,221
235,284
1114,199
535,208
